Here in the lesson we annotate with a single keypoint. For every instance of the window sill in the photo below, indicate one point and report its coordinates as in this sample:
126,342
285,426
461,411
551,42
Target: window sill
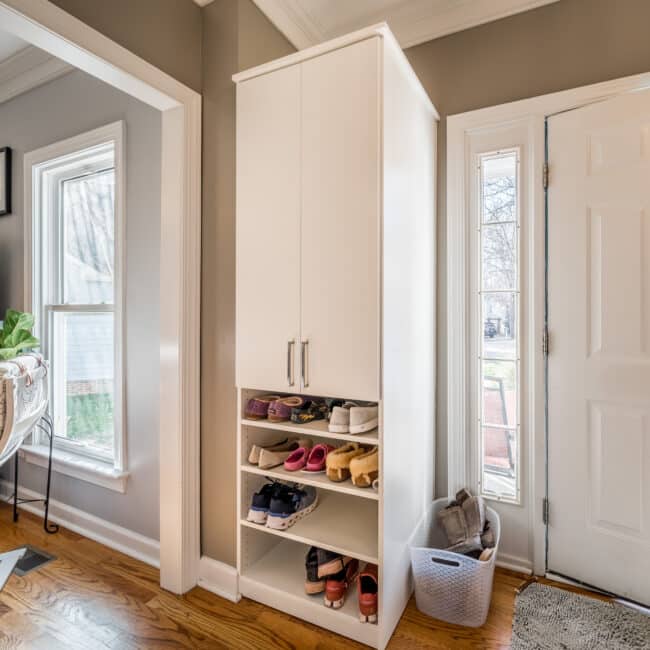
79,467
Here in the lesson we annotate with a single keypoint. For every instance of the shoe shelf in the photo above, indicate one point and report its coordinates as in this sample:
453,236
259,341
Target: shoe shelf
277,580
317,428
339,523
317,480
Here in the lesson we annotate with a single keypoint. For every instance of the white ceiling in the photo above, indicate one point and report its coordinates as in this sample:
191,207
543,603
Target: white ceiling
309,22
10,45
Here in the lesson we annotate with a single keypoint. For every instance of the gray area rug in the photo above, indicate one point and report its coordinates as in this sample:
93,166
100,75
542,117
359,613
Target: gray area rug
546,617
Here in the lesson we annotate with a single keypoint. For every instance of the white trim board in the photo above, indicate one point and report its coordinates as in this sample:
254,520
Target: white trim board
53,30
219,578
99,530
27,70
413,22
459,130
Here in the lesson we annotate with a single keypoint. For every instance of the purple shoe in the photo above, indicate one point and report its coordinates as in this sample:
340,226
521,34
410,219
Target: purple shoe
258,407
280,410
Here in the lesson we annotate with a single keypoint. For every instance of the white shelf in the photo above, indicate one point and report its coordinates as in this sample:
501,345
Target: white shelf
317,480
338,523
317,428
277,580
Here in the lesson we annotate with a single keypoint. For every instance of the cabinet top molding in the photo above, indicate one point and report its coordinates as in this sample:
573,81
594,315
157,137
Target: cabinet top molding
381,30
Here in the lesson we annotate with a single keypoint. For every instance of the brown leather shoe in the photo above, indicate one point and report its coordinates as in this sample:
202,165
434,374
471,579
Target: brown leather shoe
368,586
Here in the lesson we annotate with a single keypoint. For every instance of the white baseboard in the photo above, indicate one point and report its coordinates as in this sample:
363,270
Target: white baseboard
514,563
99,530
219,578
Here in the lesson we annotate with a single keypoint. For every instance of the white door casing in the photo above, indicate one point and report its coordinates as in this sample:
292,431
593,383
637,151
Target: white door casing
268,249
340,222
599,361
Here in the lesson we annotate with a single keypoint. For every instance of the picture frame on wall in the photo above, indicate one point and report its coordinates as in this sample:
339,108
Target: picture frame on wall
5,181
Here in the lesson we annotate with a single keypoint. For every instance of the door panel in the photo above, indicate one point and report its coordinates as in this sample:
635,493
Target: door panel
340,222
268,229
599,362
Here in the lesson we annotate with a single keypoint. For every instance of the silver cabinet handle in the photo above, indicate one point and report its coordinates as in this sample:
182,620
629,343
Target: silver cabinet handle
303,363
290,345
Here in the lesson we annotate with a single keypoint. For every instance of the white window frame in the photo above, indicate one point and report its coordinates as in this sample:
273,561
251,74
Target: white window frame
42,169
476,324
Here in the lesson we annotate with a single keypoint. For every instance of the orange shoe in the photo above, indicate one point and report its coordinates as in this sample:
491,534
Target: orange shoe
337,585
368,587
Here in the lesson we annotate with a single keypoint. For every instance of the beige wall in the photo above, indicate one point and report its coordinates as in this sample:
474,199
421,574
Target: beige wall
236,36
167,33
564,45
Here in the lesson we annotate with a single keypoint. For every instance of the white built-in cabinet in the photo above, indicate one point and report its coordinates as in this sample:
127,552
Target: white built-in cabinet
336,298
308,233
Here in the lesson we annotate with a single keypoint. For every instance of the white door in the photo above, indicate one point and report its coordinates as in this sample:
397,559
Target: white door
599,358
340,222
268,230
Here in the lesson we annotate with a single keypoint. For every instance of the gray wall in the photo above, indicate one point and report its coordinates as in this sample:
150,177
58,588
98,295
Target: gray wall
60,109
563,45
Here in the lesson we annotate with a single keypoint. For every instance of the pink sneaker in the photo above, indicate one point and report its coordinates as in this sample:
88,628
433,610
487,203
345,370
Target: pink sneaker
297,459
316,461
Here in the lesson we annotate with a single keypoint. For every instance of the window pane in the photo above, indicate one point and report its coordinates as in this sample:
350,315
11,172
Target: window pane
499,325
499,256
499,188
500,393
499,462
89,233
83,371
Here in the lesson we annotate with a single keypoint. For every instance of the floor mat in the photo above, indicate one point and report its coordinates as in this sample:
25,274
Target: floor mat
33,559
547,617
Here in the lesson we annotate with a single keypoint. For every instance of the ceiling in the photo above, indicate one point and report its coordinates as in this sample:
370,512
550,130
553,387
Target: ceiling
309,22
10,45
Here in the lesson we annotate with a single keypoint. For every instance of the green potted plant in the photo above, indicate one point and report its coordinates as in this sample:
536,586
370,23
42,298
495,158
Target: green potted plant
16,334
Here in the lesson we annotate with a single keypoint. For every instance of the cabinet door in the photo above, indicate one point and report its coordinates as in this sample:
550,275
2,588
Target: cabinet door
268,230
340,222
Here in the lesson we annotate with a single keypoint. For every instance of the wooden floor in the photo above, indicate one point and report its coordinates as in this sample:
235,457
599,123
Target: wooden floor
94,597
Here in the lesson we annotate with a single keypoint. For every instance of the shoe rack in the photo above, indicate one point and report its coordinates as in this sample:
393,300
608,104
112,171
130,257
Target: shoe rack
336,149
272,562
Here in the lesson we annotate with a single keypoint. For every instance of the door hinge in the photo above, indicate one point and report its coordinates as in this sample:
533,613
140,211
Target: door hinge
545,511
545,342
545,175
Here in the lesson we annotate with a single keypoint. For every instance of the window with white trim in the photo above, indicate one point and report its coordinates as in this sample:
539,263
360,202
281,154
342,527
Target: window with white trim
498,305
77,288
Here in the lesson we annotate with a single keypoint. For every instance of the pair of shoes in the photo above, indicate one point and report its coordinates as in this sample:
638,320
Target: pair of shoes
308,459
355,461
275,453
311,411
329,573
353,418
279,505
257,408
463,521
367,590
281,409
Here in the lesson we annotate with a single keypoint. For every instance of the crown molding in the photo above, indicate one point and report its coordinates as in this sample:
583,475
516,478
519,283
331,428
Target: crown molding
28,69
413,22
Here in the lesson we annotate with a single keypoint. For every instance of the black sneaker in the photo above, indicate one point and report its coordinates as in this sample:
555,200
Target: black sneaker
261,501
313,584
330,563
290,505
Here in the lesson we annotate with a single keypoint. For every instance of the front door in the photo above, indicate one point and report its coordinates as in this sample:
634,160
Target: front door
599,351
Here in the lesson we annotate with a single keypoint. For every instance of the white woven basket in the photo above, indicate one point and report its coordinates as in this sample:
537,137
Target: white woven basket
448,586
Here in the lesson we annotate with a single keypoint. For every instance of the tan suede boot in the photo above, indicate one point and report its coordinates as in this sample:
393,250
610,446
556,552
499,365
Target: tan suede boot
337,463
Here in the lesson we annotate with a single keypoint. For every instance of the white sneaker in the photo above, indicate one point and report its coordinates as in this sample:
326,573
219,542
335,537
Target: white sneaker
340,418
364,418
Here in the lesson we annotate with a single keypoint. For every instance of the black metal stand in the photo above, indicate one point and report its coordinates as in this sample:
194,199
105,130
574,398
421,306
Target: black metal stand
46,425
